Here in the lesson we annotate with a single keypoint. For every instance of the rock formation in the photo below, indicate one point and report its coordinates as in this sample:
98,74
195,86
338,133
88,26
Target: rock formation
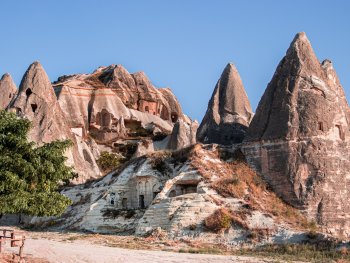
8,90
229,112
37,101
183,135
111,103
299,137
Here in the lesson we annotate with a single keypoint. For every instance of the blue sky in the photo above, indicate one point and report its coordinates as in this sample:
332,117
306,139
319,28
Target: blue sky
183,44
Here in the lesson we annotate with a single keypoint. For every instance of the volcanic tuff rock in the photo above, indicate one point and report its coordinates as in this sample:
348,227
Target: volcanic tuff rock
299,137
36,101
183,135
7,90
97,102
229,112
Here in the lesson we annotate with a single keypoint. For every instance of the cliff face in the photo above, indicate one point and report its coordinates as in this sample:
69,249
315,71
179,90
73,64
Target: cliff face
299,137
229,112
8,90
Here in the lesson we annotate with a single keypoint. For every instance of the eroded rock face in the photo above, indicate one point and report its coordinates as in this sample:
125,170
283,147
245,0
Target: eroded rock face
229,112
8,90
37,101
299,137
112,103
183,135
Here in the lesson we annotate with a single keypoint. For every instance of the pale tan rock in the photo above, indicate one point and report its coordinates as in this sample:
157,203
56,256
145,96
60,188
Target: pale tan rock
8,90
37,101
299,137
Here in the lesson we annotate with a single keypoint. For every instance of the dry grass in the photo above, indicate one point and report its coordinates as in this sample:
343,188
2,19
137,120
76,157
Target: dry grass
236,179
219,221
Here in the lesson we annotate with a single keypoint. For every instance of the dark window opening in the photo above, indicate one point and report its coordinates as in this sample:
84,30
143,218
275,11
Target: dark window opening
320,126
112,198
10,96
142,201
146,109
174,117
34,107
158,111
154,113
28,92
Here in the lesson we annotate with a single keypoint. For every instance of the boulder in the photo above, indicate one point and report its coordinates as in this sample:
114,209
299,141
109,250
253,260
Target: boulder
299,137
183,135
8,90
229,112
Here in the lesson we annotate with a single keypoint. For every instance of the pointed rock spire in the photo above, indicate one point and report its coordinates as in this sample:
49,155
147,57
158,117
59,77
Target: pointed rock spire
229,111
8,90
299,137
37,101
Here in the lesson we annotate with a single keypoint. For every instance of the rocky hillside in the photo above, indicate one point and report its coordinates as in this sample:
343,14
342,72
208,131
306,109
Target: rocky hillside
279,175
200,192
109,110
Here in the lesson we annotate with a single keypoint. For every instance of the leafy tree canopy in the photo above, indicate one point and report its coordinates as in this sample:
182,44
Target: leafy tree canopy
30,176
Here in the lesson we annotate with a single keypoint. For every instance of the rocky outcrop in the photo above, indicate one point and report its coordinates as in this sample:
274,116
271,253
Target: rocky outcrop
299,137
229,112
8,90
111,103
183,135
37,101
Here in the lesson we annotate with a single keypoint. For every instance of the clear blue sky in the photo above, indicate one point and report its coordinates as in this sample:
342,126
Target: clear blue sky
183,44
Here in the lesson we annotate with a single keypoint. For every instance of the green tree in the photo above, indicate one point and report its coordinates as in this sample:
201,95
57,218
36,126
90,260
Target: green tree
30,176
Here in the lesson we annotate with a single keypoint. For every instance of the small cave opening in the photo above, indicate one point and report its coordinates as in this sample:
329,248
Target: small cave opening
10,95
34,107
142,201
146,109
320,126
174,117
28,92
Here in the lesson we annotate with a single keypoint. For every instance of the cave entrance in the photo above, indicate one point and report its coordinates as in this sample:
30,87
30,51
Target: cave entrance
34,107
142,201
28,92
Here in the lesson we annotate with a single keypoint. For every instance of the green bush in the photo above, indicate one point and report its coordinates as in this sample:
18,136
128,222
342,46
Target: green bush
109,161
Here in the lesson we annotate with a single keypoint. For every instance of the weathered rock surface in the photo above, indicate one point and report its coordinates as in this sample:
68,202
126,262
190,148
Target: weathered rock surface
37,101
299,137
229,112
8,90
160,193
183,135
112,103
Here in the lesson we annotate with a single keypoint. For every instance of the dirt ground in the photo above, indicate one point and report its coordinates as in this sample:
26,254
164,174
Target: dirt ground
43,247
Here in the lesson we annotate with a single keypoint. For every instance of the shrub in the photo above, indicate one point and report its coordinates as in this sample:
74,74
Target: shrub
220,220
109,161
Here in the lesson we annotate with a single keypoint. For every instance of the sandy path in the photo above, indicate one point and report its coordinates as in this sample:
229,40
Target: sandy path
81,252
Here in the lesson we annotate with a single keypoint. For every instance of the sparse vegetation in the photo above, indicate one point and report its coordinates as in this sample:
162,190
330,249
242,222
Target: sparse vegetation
300,252
236,179
219,221
109,161
114,213
158,161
